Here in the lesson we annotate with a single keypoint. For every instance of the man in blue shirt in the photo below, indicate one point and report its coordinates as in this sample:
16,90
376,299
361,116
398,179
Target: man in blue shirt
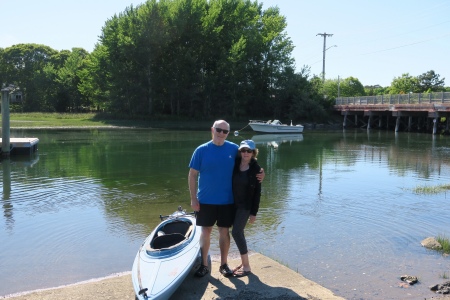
212,164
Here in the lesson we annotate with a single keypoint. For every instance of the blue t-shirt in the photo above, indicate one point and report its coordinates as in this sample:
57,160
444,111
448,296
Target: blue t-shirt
215,166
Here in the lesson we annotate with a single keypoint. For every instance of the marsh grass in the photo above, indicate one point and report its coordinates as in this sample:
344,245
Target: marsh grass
432,189
445,243
444,275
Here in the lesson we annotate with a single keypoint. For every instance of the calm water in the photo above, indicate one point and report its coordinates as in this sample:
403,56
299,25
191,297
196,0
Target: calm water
338,207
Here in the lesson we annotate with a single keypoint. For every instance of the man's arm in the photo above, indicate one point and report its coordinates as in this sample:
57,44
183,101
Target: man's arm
260,176
192,181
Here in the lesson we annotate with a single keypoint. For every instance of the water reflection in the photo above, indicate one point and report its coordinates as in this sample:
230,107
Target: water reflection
7,205
274,140
335,205
22,161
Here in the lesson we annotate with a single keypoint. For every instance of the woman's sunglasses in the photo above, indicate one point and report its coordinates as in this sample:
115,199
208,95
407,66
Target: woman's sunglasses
219,130
246,150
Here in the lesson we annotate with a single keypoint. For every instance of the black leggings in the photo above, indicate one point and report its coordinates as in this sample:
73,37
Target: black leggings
240,220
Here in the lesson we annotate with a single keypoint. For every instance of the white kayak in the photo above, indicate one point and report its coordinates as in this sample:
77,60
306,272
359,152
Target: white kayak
166,257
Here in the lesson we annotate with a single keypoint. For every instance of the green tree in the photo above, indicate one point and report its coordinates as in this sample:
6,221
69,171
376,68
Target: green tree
374,90
69,97
23,65
181,59
351,87
404,85
2,68
94,79
348,87
331,89
157,61
430,82
303,98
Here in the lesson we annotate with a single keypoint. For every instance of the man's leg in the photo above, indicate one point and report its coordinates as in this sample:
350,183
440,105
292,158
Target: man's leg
205,241
224,244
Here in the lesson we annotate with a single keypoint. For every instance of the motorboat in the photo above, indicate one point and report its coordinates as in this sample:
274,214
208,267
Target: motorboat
274,126
166,256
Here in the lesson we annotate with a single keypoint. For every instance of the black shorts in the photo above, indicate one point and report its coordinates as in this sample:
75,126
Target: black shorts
209,214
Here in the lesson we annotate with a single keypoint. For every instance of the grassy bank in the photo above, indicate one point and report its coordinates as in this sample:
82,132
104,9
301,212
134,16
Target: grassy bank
37,120
66,120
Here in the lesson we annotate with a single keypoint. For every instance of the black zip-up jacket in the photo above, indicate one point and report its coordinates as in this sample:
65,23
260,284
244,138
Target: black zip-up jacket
254,186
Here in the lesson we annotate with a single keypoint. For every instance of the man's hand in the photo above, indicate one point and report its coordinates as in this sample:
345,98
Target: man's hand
260,176
195,204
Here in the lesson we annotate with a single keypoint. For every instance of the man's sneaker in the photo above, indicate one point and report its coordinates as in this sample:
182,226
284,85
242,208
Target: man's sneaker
225,270
202,271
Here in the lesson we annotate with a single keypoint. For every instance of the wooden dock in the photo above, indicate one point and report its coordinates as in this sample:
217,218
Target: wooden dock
424,112
22,145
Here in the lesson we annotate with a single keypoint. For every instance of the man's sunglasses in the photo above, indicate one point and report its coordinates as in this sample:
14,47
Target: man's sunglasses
219,130
246,150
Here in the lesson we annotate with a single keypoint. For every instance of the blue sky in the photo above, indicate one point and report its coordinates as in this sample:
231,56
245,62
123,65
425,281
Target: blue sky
376,40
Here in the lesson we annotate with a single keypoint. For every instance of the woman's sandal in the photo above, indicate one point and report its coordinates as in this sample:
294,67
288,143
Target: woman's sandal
239,272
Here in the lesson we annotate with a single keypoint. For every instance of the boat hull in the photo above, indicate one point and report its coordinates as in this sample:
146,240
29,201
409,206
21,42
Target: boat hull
266,127
159,270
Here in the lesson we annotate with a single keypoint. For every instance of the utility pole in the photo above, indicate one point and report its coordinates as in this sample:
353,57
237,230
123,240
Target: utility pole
339,87
324,49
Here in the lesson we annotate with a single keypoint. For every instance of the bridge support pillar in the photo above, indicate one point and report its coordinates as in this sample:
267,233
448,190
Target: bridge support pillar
409,123
397,124
434,125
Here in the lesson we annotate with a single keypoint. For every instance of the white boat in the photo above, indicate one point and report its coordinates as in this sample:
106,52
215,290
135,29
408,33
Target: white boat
166,257
274,126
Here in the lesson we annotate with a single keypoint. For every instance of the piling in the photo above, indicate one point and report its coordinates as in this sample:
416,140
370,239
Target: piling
5,122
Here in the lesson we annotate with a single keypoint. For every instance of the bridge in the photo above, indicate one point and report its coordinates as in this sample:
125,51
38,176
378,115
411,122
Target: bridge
423,112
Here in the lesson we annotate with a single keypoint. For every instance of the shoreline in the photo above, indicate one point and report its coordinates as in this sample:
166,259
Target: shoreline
268,280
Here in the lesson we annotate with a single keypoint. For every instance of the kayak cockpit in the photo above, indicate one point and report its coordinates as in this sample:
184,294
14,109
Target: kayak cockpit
170,237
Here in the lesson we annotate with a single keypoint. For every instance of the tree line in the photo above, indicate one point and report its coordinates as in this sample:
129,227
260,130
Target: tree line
184,58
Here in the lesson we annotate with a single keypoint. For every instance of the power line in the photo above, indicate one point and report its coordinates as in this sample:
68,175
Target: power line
411,44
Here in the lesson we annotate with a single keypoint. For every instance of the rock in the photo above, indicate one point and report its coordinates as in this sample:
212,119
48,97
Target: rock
443,288
431,243
409,279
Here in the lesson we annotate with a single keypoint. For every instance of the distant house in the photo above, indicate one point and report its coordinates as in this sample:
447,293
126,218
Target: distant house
15,96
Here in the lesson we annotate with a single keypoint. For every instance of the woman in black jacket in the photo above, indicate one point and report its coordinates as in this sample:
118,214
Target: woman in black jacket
247,194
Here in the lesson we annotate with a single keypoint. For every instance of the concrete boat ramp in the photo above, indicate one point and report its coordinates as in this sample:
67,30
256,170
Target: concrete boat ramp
269,280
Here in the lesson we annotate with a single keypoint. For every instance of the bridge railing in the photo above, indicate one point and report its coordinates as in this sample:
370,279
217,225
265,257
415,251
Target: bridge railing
411,98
